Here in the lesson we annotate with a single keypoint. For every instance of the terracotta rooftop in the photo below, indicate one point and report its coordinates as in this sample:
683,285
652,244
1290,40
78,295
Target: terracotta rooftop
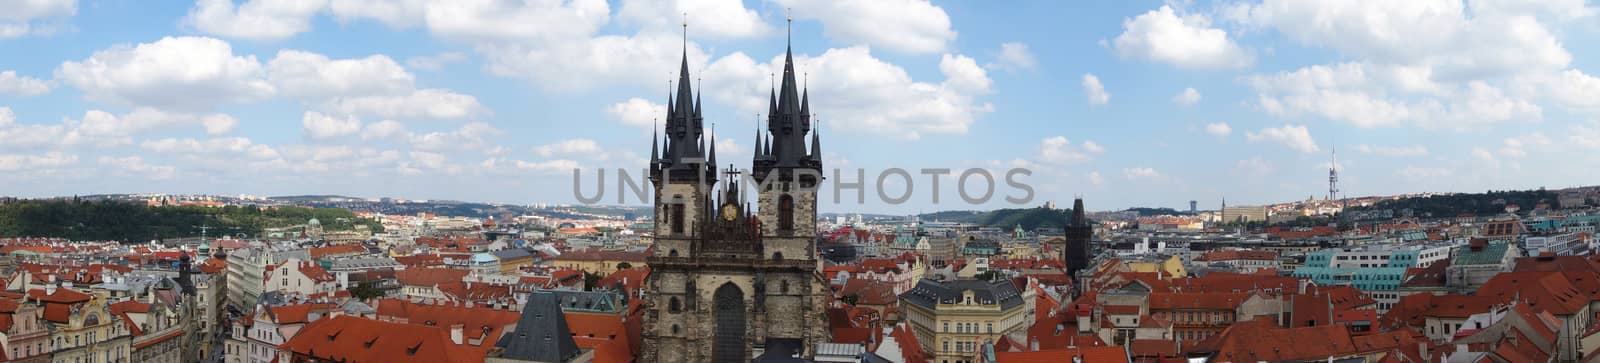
353,339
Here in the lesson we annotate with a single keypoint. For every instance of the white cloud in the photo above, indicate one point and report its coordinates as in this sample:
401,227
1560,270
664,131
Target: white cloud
728,146
219,124
1393,151
910,26
101,128
136,166
1093,147
1297,138
424,103
11,83
312,76
1482,154
1572,88
509,20
1059,150
1437,33
17,19
29,9
1360,94
1094,90
264,20
637,112
211,147
1585,136
319,126
395,13
1182,40
1014,56
1518,146
385,130
1095,178
1219,129
573,147
1140,173
706,18
188,73
856,91
1416,173
641,59
471,136
1188,97
1254,167
435,62
375,85
33,163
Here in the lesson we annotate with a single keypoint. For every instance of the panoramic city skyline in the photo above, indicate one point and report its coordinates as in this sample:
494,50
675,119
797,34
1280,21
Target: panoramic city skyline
1130,104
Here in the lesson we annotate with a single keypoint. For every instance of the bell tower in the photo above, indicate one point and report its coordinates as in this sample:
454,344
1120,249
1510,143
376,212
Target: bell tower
789,172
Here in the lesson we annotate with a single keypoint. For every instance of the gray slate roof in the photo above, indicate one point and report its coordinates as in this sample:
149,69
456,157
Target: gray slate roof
929,294
542,334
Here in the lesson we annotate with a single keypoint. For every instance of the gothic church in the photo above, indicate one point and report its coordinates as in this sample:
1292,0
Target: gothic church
729,282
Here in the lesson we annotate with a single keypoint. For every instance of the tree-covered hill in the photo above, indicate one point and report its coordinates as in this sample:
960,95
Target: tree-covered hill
1450,205
130,222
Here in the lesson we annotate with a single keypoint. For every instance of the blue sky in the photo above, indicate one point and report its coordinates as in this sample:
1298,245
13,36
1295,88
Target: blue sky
500,100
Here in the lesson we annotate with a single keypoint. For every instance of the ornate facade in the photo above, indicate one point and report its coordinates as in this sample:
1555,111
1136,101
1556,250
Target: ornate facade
729,282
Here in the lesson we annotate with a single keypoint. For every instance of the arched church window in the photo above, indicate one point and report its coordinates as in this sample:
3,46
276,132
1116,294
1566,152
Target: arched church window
674,306
677,215
672,253
777,255
786,213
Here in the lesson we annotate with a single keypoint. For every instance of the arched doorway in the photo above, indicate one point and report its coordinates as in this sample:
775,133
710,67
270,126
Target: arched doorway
730,333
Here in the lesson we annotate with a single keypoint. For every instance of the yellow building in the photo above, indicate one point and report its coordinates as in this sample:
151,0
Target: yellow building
1171,267
954,319
89,333
598,261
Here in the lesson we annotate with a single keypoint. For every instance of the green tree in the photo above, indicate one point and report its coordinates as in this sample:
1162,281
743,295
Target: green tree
366,290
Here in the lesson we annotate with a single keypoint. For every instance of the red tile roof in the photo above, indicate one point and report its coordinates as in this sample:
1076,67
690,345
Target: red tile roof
298,313
1196,301
1549,291
353,339
62,296
429,276
477,321
1085,354
338,250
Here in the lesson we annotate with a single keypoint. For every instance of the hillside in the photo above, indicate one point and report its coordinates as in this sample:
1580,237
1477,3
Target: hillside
1487,203
131,222
1029,218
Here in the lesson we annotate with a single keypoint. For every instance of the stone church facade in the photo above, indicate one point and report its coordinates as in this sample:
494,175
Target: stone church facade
729,282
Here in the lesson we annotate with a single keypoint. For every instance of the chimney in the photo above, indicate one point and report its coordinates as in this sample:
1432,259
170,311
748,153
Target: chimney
456,333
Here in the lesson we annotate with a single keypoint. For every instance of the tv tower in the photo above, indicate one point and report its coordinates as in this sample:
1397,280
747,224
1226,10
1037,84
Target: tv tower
1333,174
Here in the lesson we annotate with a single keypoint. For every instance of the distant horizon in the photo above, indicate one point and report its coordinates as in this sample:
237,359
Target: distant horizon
1129,103
1063,205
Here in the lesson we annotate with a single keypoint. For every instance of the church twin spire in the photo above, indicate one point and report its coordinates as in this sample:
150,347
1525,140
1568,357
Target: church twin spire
783,145
788,122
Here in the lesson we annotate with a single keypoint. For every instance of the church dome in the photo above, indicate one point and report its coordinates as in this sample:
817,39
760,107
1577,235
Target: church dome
314,222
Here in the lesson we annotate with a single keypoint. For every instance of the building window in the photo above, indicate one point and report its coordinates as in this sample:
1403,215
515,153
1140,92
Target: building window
677,218
786,213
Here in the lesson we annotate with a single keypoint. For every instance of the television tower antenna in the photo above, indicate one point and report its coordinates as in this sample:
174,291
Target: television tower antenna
1333,174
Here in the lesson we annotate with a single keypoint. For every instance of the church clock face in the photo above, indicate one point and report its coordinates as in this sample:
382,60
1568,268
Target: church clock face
729,212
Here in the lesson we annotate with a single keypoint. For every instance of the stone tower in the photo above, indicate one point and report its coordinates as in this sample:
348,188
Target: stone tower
726,282
1079,235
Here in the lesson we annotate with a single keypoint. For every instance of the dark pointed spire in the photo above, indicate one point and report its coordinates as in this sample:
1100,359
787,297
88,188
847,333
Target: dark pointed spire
712,153
816,142
655,148
805,102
